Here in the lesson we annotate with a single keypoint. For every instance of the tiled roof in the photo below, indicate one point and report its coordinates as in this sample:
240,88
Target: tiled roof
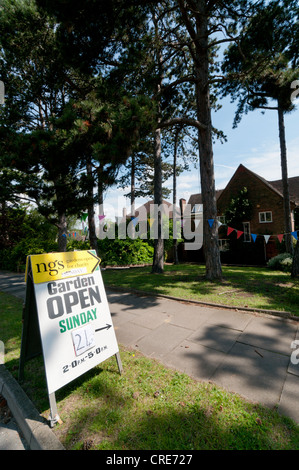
276,186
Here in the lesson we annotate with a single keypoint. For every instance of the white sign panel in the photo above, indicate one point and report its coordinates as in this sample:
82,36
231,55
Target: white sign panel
75,326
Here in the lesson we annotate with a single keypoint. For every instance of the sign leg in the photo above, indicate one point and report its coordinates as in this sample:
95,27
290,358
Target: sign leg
119,363
54,417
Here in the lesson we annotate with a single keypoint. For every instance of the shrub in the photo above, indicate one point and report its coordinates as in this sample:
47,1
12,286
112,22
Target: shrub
14,259
77,245
281,262
124,252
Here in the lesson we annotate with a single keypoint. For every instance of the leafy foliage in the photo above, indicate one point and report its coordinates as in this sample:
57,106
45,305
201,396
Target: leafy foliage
124,252
281,262
239,209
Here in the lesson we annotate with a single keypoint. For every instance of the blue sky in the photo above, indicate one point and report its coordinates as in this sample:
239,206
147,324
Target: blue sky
254,143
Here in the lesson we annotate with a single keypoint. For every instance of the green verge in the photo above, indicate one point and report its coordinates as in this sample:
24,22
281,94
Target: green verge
241,287
148,407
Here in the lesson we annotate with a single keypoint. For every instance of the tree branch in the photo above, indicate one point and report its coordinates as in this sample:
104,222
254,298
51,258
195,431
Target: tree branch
183,121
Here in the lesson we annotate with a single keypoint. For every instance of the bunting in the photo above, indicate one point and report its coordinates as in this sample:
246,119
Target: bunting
266,237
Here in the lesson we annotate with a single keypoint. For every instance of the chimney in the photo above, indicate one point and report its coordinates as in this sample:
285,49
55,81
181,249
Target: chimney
182,206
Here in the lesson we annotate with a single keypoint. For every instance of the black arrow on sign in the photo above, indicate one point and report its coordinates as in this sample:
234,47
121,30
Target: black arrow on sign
104,327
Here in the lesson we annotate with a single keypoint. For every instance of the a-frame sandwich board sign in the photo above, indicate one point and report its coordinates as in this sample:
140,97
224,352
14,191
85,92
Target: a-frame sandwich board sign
66,316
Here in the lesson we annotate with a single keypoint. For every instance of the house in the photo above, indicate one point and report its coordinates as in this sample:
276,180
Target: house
143,212
267,214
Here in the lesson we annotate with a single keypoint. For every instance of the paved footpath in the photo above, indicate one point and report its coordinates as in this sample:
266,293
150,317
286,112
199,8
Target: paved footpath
245,352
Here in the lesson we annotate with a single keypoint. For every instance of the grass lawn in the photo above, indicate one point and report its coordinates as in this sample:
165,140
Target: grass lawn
148,407
241,286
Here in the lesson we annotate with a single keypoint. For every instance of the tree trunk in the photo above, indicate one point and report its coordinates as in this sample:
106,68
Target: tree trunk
295,266
133,186
174,231
284,172
210,234
62,232
158,261
100,190
91,219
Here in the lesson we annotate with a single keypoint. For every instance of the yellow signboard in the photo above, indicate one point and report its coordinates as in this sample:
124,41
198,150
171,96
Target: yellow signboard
54,266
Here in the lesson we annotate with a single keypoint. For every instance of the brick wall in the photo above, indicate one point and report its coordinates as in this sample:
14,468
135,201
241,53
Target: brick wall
262,197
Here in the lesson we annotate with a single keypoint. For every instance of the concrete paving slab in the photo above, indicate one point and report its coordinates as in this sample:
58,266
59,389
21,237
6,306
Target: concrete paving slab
162,340
194,359
289,401
10,438
120,317
129,334
151,318
274,334
254,373
188,316
233,319
215,337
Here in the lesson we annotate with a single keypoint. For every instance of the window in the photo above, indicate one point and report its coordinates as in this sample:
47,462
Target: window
265,217
221,219
197,208
246,230
223,244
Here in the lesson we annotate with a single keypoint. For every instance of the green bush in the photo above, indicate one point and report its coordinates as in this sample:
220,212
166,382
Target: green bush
281,262
14,259
78,245
124,252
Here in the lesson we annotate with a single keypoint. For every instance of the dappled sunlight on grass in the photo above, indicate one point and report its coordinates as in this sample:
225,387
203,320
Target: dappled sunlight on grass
152,407
241,287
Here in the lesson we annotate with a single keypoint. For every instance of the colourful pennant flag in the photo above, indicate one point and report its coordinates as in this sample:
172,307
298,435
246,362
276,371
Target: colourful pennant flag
101,217
253,236
239,233
84,216
229,230
280,237
211,221
266,237
295,235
